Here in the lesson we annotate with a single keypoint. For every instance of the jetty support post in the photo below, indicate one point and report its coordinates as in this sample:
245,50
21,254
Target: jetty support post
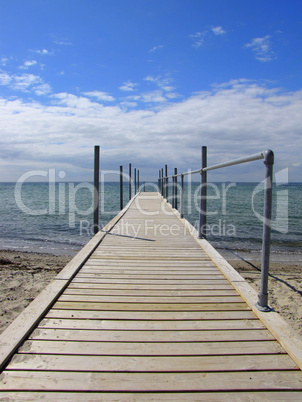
96,189
202,232
262,303
134,181
129,181
162,182
121,188
159,184
175,190
182,196
138,179
166,182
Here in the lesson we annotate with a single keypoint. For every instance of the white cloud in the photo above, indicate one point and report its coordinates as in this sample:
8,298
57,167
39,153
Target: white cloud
128,86
5,79
155,48
43,52
28,64
262,48
218,31
3,61
43,89
239,118
101,96
25,81
199,38
162,82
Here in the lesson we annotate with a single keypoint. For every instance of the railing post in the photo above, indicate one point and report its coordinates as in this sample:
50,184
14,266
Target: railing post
175,191
138,179
159,181
144,186
134,181
162,182
129,181
202,232
166,181
182,197
121,188
262,303
96,188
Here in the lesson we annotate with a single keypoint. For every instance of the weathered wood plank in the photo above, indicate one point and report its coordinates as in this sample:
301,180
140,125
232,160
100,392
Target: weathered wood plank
152,315
151,306
155,396
152,336
149,299
151,364
151,348
149,325
150,292
81,381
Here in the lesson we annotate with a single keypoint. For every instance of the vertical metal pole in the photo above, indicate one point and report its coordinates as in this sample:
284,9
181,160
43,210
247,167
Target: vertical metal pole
159,181
202,232
96,188
162,182
134,180
175,191
138,179
166,181
144,186
182,197
262,303
121,188
129,181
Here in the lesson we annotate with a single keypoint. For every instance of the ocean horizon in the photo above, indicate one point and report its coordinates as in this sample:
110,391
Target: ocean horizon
58,218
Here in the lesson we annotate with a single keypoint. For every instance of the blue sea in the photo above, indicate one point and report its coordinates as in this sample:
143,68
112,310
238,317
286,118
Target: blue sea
58,218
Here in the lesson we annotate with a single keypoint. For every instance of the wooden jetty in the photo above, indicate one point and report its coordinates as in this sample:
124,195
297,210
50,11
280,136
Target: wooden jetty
146,311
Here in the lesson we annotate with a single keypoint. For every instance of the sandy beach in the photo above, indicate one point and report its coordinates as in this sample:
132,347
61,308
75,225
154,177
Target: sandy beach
24,275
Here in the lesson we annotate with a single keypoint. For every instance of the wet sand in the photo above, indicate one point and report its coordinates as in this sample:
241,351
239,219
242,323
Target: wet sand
24,275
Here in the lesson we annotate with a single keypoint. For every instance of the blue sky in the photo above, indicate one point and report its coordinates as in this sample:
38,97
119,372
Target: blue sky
150,81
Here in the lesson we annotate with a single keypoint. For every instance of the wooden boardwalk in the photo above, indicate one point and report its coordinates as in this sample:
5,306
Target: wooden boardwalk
144,313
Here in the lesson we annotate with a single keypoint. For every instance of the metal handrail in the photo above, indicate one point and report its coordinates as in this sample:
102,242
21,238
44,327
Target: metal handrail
268,157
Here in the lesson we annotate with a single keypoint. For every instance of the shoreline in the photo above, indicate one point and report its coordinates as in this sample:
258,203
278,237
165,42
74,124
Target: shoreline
23,275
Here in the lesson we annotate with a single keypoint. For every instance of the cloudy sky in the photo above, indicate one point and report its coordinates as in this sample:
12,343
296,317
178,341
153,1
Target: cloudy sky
150,81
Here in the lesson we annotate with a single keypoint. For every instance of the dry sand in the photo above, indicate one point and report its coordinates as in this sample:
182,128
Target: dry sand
24,275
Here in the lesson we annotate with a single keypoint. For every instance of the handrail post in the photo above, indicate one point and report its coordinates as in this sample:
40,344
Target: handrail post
202,232
138,179
166,181
134,181
121,188
129,181
262,303
175,191
96,188
159,181
162,182
182,197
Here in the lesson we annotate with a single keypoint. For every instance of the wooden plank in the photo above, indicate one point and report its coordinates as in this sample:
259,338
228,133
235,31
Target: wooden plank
151,348
151,364
81,381
151,306
149,299
149,325
81,279
140,276
152,336
152,315
150,292
155,396
155,287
